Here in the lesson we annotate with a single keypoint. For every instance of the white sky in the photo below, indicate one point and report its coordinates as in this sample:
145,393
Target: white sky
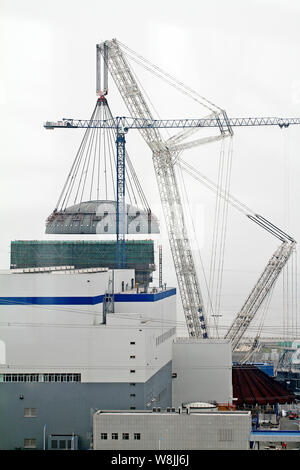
242,55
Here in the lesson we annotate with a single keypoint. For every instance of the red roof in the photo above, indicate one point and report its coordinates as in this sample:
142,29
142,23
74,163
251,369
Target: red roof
252,386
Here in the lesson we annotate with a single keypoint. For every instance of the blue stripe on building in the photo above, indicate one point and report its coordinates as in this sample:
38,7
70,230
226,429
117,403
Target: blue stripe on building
141,297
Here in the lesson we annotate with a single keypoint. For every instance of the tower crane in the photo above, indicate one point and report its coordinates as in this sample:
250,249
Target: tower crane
165,154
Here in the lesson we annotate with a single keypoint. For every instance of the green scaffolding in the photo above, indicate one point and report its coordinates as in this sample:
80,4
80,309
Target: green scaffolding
139,255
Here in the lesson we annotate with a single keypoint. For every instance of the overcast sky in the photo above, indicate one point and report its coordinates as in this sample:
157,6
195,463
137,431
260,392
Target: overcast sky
242,55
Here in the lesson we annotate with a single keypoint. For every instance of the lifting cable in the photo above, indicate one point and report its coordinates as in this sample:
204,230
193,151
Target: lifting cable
220,226
139,59
216,231
264,223
289,278
89,179
228,167
191,217
214,285
197,175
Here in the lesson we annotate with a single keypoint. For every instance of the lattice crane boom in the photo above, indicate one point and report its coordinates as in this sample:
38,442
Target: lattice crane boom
265,282
259,293
163,158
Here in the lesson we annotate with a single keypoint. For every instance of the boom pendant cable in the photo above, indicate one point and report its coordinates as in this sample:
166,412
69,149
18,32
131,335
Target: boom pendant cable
88,178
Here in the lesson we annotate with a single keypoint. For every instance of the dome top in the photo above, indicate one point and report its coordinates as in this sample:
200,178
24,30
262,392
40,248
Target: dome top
99,216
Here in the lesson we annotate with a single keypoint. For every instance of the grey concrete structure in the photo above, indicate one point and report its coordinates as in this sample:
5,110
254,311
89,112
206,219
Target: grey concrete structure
30,409
202,371
196,430
99,216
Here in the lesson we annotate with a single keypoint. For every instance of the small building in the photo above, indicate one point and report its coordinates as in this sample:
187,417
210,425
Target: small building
170,429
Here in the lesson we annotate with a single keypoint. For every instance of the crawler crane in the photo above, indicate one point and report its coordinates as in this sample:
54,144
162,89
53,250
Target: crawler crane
165,155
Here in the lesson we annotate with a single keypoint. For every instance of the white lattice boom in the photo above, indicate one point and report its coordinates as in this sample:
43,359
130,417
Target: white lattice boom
163,161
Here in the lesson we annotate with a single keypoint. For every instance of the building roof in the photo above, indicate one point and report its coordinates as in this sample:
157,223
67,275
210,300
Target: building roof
252,386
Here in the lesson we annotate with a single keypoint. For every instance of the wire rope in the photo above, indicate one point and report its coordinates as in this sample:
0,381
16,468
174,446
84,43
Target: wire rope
167,77
214,246
195,173
87,178
209,301
224,226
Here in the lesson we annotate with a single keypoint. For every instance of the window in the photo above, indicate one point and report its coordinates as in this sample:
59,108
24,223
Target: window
137,436
29,412
41,377
132,342
54,444
132,394
30,443
132,357
132,407
115,436
62,444
132,384
132,371
103,435
125,436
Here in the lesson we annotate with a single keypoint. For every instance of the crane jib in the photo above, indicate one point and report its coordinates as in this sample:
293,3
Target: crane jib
138,123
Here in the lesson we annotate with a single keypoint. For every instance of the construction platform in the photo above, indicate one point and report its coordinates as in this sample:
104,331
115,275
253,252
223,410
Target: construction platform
139,255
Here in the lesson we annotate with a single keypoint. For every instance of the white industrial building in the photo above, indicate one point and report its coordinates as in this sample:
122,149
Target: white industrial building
188,429
63,354
76,341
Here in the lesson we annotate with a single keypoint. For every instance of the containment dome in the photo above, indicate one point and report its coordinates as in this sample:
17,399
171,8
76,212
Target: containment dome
92,217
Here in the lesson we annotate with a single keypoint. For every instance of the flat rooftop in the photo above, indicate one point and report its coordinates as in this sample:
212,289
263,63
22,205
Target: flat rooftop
201,412
54,270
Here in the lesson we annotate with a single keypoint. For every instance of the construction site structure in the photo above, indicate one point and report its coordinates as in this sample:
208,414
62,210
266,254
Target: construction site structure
165,155
84,254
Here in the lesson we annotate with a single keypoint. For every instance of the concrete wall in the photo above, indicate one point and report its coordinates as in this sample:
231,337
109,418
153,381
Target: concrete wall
203,371
173,431
67,408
